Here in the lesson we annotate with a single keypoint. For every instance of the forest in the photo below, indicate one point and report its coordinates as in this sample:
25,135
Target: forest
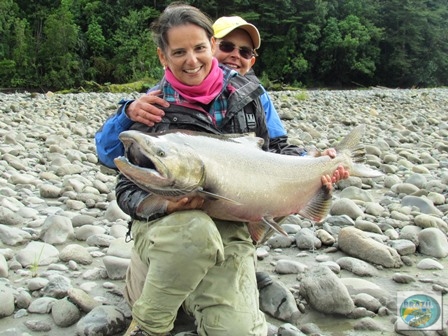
66,44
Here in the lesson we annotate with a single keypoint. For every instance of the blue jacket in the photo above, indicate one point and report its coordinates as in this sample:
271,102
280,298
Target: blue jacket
275,126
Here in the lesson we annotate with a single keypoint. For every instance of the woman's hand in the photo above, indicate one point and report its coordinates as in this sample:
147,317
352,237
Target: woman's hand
186,203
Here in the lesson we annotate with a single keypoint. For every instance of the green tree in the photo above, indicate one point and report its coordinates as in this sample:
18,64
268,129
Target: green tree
24,59
95,38
277,22
9,12
135,52
99,67
58,56
304,42
414,52
348,50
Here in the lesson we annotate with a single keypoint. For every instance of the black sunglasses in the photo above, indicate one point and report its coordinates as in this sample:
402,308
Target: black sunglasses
228,47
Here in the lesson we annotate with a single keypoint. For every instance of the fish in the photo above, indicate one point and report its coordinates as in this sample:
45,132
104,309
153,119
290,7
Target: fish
237,179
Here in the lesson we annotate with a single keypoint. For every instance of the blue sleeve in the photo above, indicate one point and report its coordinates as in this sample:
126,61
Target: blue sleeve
275,126
108,145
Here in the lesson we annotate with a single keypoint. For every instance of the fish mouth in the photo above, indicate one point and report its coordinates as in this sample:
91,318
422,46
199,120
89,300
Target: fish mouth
160,166
140,165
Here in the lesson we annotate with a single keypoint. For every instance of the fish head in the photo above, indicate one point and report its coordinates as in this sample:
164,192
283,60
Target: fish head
160,166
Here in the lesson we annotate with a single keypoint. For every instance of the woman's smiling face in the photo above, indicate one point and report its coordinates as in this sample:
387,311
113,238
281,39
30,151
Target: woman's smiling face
189,53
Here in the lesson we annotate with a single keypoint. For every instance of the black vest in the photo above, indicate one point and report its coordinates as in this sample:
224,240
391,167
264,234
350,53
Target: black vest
245,114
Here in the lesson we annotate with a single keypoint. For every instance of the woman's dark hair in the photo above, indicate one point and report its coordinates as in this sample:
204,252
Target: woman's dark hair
178,14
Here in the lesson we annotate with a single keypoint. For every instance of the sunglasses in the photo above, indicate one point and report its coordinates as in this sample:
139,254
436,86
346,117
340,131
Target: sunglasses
228,47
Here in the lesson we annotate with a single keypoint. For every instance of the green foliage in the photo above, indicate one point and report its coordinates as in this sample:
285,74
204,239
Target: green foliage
65,44
34,267
95,38
415,50
264,80
58,52
6,67
348,50
139,86
135,57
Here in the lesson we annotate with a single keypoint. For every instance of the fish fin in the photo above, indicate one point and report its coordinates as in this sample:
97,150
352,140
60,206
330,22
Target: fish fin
262,230
214,197
268,233
351,143
248,138
269,221
250,141
319,206
257,231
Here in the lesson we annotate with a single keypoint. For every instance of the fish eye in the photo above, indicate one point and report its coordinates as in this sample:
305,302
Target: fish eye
161,153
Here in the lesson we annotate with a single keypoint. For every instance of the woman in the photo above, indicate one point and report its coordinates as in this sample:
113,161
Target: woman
237,42
206,265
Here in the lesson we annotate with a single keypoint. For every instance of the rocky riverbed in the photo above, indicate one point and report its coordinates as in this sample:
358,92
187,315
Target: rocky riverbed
62,251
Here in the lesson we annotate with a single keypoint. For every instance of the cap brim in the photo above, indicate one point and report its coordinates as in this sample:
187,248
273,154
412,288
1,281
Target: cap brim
249,28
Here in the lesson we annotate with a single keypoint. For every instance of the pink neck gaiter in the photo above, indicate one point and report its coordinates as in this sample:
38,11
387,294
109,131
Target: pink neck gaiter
203,93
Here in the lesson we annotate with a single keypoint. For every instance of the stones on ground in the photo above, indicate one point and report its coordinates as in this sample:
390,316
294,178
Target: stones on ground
6,298
278,301
101,320
37,254
50,173
65,313
324,292
357,266
433,242
77,253
356,243
285,266
82,299
345,206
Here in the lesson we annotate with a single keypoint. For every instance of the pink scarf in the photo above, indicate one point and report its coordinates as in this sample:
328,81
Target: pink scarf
203,93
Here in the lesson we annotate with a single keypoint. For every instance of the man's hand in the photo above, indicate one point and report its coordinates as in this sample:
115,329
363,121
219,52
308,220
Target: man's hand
143,110
339,174
331,152
186,203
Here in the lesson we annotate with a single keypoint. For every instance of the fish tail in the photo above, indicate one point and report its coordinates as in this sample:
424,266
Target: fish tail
351,143
364,171
359,154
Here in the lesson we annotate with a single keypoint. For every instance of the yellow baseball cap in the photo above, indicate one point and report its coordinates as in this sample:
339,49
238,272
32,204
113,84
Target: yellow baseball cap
225,24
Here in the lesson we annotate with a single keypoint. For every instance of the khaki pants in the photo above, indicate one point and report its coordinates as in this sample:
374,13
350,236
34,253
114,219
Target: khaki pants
208,266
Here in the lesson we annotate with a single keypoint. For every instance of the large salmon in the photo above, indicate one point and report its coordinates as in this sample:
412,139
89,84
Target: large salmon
238,180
